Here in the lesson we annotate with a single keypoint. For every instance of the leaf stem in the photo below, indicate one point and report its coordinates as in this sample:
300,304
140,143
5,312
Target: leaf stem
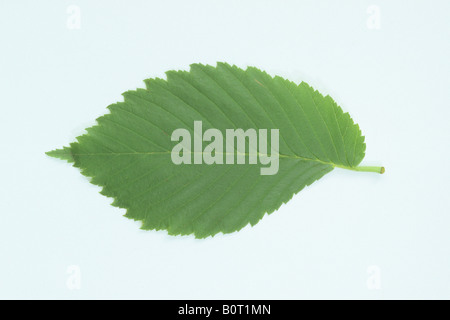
375,169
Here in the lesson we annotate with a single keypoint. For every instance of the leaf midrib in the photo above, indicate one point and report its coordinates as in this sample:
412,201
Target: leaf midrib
296,157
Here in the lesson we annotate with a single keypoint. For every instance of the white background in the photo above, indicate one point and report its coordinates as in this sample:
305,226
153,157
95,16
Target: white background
349,235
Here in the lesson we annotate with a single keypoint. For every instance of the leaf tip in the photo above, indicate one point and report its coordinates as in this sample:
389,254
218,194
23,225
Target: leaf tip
64,154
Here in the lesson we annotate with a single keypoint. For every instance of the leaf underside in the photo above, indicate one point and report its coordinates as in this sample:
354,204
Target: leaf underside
128,152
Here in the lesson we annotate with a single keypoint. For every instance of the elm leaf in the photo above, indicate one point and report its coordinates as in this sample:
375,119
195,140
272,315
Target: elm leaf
132,152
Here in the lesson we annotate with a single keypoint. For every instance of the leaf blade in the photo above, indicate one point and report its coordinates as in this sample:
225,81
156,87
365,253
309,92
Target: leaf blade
128,152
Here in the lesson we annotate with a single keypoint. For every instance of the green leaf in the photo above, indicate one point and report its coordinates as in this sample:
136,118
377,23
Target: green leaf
128,153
